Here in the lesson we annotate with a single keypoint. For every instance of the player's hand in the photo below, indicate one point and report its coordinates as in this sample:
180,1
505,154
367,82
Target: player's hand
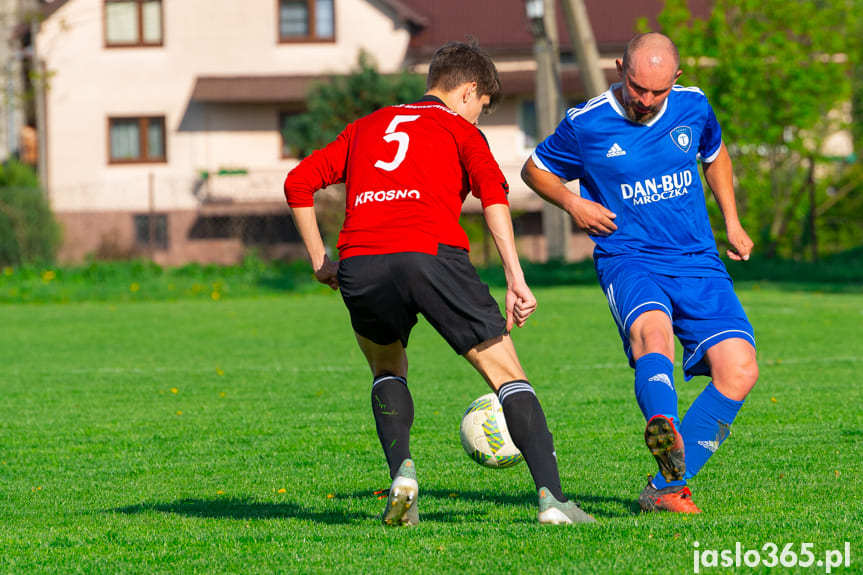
520,304
741,244
593,218
327,273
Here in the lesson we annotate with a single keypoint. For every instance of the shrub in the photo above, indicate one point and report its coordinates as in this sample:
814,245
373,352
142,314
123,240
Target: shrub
28,230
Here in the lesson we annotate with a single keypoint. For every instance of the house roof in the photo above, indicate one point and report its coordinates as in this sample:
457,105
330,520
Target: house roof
50,6
252,89
288,89
501,28
407,12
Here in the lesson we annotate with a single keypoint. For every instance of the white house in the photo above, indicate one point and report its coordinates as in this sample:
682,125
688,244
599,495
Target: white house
163,117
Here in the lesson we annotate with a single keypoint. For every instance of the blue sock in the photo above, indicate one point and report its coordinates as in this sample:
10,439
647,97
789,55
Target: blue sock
659,482
706,425
654,387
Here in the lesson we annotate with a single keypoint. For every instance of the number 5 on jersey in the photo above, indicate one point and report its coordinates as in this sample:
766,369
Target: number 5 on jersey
401,137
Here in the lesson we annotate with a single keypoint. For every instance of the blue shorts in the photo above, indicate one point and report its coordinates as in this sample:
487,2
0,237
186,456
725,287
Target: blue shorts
703,310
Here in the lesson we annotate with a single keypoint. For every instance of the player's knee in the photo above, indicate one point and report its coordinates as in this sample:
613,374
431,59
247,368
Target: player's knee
749,374
653,341
736,381
652,333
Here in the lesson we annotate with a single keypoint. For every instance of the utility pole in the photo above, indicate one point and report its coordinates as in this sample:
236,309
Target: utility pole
11,134
541,15
37,71
584,45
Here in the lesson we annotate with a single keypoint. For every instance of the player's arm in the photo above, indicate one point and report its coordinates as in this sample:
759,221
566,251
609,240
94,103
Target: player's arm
322,168
719,176
307,224
520,302
592,217
488,184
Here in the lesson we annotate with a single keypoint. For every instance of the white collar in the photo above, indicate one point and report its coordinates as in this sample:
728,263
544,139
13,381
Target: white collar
622,112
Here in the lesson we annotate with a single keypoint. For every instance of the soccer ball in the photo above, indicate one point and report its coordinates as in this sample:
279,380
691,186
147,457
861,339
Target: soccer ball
484,434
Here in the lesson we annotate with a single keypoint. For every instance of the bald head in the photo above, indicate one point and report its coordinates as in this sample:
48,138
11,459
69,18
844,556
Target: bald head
650,53
648,71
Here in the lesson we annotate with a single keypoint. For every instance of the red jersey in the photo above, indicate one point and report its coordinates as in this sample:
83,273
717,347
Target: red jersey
407,171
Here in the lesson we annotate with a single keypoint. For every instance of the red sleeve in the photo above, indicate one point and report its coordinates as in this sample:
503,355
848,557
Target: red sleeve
487,182
322,168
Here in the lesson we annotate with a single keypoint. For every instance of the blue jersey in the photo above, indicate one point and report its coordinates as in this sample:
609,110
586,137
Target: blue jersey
647,174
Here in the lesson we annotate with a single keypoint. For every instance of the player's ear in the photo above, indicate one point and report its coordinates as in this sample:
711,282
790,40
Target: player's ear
619,63
468,90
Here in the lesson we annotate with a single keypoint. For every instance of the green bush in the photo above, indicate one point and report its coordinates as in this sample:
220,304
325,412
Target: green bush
28,230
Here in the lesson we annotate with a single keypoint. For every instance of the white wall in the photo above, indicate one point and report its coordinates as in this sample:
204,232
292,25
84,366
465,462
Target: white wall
88,83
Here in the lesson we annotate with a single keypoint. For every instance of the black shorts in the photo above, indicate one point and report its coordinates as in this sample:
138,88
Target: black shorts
384,294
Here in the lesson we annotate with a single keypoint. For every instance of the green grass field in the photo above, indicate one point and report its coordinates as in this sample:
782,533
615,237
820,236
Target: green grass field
234,435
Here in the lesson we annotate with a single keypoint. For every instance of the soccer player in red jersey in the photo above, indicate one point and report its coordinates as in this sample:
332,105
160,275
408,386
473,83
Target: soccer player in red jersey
407,170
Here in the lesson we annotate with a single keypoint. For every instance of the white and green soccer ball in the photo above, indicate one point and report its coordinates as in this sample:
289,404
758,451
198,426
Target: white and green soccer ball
484,434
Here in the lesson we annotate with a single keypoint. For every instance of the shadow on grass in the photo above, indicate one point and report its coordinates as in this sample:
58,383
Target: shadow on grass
246,509
240,508
629,506
589,503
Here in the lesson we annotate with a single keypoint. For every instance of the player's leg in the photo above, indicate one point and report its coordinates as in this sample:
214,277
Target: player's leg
734,367
707,423
392,404
393,409
498,363
496,360
651,339
652,342
718,341
450,294
642,311
378,315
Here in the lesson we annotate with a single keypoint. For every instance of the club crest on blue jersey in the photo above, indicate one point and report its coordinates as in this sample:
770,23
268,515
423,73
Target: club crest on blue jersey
682,137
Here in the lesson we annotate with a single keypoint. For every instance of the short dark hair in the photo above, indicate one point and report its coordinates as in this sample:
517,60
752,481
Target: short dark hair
456,63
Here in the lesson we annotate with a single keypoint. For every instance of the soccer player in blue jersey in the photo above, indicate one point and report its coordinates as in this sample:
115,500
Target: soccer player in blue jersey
635,151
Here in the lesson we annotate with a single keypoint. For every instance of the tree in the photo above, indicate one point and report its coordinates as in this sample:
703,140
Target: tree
28,231
338,100
778,73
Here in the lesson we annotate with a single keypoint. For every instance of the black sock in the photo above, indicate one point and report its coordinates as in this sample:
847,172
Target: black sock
393,408
529,431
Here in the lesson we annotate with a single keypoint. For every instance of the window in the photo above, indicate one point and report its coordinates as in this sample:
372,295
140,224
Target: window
136,140
133,23
527,123
151,231
285,132
306,20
